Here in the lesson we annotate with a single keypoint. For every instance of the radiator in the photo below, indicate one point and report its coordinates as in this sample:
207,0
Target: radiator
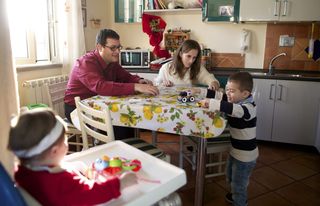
36,93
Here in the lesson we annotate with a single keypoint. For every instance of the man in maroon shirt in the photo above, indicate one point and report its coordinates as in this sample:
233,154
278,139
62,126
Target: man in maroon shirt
99,73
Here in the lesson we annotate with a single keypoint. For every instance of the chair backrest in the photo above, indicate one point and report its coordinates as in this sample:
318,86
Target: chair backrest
55,94
9,194
92,122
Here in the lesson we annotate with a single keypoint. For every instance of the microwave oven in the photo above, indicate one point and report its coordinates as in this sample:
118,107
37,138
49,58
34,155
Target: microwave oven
134,58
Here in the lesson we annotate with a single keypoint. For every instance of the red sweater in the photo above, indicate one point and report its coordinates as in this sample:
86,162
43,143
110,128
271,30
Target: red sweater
64,188
91,76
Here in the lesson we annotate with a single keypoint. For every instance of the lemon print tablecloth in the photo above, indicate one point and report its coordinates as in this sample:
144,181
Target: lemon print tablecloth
163,113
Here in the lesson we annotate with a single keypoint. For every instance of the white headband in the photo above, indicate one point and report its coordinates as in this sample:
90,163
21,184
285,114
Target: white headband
45,143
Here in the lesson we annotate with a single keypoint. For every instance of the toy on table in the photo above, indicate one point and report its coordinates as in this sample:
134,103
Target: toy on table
113,166
185,96
199,104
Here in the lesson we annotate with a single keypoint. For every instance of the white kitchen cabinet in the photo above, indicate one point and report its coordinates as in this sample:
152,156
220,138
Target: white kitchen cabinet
279,10
287,111
128,11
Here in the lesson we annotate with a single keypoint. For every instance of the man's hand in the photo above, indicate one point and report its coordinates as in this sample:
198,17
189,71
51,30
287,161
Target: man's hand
214,85
145,81
146,89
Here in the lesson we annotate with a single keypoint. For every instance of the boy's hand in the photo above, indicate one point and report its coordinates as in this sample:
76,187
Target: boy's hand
127,179
214,85
204,103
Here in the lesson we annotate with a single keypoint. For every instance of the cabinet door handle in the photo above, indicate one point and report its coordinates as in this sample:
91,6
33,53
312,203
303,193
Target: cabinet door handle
271,88
280,95
285,8
140,12
205,11
276,8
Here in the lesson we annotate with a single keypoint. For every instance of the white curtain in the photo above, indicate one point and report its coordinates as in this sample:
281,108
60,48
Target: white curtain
71,32
9,101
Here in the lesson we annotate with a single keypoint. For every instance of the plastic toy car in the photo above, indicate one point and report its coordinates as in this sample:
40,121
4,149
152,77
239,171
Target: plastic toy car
185,96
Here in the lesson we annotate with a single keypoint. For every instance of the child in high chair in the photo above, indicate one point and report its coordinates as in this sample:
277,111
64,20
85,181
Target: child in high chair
38,139
238,105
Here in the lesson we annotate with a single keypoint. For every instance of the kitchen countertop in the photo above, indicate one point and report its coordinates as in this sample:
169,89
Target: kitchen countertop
256,73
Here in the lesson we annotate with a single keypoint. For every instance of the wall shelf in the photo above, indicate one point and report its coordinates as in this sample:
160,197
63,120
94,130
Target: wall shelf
174,11
174,40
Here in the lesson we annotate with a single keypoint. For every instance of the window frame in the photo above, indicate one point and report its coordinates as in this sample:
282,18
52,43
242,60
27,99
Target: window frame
52,46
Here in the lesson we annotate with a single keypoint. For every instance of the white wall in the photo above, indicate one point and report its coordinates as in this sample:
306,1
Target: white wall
98,9
220,37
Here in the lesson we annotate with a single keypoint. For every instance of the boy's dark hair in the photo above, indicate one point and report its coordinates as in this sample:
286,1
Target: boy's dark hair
104,34
244,79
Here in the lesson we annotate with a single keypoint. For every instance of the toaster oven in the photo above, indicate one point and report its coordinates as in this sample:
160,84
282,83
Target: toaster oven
134,58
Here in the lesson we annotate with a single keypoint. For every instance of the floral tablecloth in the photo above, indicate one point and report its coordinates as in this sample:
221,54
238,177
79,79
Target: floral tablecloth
163,113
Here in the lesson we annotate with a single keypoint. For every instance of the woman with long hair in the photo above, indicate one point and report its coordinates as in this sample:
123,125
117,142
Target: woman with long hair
186,68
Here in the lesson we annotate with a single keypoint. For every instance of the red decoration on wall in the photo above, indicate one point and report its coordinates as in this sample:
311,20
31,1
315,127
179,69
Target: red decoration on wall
154,26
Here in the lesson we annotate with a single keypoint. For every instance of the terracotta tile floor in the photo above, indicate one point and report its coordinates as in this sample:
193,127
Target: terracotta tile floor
284,175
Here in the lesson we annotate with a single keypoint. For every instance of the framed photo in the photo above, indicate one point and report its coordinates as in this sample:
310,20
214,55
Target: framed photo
226,10
84,17
83,3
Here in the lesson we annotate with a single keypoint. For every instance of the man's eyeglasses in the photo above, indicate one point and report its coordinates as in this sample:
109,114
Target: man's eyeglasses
114,48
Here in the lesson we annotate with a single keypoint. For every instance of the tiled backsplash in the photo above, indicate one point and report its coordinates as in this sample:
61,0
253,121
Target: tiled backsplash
297,57
233,60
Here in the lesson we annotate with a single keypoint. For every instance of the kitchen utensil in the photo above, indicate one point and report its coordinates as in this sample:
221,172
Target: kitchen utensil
311,43
313,49
310,48
316,50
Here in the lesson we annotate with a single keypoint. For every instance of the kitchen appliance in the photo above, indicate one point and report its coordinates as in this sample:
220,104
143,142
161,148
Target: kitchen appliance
134,58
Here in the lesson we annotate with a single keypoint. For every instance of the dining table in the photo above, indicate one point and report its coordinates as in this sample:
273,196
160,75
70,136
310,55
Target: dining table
166,113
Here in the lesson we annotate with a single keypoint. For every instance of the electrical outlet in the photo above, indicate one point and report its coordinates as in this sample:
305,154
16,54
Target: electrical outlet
286,40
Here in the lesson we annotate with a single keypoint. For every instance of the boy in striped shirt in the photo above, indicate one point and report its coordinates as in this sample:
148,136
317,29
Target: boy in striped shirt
238,105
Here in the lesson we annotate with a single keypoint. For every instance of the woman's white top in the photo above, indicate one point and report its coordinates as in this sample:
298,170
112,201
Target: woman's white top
204,77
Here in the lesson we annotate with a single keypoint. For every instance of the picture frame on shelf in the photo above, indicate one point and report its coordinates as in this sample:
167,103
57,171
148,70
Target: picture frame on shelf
84,17
226,10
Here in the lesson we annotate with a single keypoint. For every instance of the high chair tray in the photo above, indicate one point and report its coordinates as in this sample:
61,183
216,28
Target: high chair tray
160,177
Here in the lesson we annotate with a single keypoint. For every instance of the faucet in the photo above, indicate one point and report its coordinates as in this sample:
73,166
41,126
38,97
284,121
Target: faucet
271,68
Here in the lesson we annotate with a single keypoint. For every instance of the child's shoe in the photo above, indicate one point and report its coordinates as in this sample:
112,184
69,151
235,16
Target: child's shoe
228,198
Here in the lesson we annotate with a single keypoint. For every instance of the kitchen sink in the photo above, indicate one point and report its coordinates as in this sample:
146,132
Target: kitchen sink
259,73
276,74
288,75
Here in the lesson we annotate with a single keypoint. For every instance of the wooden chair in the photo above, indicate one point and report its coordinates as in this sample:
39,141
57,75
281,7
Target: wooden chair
55,94
217,152
98,124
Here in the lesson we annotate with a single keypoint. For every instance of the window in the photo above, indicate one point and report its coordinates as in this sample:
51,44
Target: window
33,31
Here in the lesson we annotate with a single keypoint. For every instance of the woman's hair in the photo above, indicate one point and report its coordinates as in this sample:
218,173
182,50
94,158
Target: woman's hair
103,34
177,66
29,128
244,79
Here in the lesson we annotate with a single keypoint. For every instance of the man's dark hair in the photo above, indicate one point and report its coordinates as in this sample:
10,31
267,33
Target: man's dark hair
104,34
244,79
